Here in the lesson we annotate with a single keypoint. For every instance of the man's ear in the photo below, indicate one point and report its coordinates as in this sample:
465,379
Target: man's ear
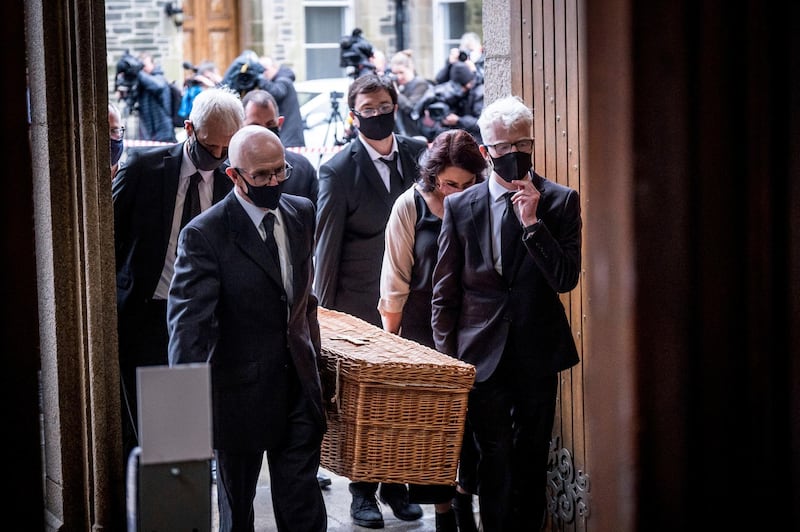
231,173
280,122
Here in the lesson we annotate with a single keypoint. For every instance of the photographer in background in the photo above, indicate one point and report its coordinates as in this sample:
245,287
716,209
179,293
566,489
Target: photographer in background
356,54
469,51
205,75
455,104
154,102
411,88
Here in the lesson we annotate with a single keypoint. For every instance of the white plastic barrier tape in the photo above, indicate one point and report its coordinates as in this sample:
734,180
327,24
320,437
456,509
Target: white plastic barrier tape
136,143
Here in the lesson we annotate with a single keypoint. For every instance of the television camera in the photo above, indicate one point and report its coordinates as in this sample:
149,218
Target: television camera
243,74
354,54
126,82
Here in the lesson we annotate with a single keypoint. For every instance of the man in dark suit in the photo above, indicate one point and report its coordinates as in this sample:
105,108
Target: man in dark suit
261,109
357,188
241,300
151,192
496,305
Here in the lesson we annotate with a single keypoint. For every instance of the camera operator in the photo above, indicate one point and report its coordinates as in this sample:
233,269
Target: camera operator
126,83
355,54
455,104
243,73
154,102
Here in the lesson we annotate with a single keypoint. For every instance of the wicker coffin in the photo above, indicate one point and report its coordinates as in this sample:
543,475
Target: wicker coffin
399,407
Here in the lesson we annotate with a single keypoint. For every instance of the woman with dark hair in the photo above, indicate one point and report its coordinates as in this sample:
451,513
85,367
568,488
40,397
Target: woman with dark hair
452,163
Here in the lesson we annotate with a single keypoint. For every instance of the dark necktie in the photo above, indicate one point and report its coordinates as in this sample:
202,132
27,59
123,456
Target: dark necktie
395,179
269,225
510,232
191,203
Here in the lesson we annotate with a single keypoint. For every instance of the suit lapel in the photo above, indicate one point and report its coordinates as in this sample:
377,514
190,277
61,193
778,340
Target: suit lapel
294,236
481,223
171,175
248,239
365,165
221,185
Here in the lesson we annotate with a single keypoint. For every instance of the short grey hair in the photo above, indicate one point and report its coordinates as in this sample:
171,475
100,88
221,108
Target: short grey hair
220,105
508,111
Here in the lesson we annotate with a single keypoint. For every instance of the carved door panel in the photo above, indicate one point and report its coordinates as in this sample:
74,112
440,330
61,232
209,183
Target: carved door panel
211,31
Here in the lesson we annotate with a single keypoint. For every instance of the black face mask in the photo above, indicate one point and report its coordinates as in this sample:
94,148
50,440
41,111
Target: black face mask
265,196
115,150
378,127
202,158
513,165
276,131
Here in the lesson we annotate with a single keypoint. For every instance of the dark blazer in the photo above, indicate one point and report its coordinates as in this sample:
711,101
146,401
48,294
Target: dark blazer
475,309
304,177
227,306
144,191
353,209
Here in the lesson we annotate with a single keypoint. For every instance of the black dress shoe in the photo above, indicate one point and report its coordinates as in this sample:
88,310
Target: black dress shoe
324,480
364,510
396,496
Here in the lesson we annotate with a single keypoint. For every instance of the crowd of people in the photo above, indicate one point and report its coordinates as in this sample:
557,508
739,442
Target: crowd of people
435,229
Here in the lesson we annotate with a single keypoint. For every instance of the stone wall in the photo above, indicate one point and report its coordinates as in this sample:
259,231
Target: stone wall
141,26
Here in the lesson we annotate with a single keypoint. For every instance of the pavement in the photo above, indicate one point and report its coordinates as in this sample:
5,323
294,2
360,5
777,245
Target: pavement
337,502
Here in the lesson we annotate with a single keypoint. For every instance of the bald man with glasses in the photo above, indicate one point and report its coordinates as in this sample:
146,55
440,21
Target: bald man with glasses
241,300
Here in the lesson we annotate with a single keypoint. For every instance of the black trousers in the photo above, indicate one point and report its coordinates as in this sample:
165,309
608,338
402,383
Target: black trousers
143,341
296,496
512,419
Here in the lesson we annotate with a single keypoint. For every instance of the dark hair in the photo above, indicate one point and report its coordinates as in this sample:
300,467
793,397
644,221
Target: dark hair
454,147
261,98
368,84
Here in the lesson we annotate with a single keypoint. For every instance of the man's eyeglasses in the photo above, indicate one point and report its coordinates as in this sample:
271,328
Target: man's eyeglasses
117,133
369,112
263,177
503,148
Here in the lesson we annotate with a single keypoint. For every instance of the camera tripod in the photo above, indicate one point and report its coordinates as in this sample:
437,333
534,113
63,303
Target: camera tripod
334,120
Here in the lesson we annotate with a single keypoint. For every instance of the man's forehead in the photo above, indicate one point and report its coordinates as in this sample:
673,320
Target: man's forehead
500,131
379,96
217,136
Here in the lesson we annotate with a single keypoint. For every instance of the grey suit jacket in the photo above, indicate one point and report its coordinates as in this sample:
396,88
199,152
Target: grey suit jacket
227,306
353,208
476,311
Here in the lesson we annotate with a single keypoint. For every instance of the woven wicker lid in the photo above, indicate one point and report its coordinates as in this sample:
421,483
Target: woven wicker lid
364,351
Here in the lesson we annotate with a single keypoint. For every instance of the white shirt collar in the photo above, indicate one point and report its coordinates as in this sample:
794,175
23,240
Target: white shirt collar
374,155
496,190
256,214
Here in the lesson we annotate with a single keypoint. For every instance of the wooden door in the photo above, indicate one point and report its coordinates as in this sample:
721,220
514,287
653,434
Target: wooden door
546,40
211,32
